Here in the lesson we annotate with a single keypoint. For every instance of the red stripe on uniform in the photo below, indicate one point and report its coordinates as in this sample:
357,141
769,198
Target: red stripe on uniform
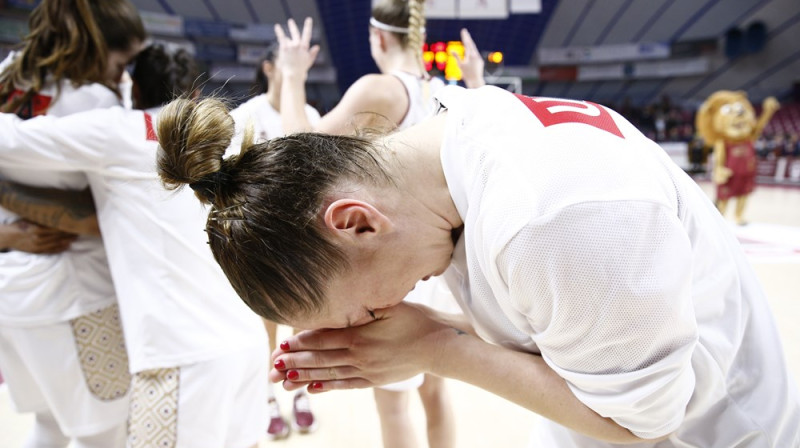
148,125
36,105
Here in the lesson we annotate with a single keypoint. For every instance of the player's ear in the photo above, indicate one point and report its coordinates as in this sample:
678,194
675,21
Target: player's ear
355,220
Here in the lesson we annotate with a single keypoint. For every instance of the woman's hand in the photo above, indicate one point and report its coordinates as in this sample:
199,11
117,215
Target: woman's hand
403,341
26,236
295,55
471,64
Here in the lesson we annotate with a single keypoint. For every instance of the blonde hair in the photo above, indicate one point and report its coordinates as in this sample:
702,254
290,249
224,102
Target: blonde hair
405,14
264,226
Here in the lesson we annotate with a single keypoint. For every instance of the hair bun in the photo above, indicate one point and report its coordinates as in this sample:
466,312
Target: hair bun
193,137
208,186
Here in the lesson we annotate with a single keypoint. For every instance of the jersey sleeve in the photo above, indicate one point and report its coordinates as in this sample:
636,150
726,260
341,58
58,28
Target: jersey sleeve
606,286
73,143
73,100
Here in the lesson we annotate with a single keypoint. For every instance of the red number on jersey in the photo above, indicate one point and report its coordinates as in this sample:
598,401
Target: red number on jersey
552,111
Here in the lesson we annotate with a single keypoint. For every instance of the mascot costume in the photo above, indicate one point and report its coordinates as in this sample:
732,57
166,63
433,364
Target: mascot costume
727,122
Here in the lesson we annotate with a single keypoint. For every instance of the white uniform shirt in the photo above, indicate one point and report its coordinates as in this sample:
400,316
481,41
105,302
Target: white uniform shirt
43,289
266,120
177,307
421,102
583,242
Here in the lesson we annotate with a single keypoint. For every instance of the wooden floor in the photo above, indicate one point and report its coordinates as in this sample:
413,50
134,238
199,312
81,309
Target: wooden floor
348,419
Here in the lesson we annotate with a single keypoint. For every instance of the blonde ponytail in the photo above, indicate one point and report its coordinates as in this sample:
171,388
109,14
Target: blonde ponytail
416,27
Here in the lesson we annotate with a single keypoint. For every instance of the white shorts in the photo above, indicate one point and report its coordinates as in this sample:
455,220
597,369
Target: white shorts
412,383
217,403
77,370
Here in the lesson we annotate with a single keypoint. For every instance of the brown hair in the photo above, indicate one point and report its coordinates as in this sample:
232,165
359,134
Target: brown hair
162,75
404,14
264,226
70,39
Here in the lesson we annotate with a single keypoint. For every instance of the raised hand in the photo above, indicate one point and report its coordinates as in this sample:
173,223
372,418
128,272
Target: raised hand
295,55
472,63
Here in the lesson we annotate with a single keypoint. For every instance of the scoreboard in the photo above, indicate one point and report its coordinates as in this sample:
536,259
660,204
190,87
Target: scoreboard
440,59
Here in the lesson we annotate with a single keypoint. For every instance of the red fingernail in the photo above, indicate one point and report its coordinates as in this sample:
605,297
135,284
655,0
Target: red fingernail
316,385
285,346
280,365
293,375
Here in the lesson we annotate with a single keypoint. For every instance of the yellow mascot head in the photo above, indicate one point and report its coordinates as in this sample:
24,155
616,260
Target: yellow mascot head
726,115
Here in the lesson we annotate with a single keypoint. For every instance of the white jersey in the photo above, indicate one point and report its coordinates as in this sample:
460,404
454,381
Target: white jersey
266,120
177,307
584,243
421,102
43,289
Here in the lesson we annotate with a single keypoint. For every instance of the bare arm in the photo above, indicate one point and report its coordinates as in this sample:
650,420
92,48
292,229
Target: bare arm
407,340
512,375
65,210
378,101
295,58
471,64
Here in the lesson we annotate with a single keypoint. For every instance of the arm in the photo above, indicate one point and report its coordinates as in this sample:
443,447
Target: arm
513,375
295,58
26,236
614,322
69,211
78,142
370,101
407,340
72,143
471,64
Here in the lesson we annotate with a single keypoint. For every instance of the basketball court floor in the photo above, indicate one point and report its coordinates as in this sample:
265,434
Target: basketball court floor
348,418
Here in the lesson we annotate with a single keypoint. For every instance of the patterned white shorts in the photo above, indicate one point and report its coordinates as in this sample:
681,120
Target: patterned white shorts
210,404
77,370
